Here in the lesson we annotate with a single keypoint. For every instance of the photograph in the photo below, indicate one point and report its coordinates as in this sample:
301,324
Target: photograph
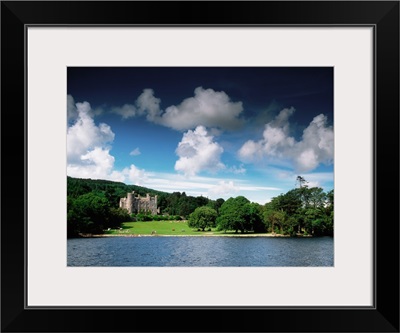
182,163
200,166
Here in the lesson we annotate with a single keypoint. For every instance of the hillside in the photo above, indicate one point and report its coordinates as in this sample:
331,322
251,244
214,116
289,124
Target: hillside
113,190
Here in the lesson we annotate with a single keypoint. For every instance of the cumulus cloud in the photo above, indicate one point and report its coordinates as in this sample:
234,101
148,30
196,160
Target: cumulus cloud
132,175
88,150
251,151
148,104
315,147
198,152
135,152
72,111
207,108
84,135
88,146
96,164
136,175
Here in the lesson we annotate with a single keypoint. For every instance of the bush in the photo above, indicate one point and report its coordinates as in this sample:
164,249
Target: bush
143,217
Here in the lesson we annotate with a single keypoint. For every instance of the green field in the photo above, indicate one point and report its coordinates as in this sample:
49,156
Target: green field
179,228
174,228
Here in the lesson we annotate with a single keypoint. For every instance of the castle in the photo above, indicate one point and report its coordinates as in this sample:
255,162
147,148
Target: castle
139,204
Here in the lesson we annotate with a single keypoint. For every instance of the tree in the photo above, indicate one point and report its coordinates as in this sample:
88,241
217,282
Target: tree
116,217
314,211
283,213
216,204
202,217
301,181
329,211
255,217
276,219
88,213
235,215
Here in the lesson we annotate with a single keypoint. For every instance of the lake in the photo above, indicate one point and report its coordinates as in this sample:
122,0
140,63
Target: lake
200,251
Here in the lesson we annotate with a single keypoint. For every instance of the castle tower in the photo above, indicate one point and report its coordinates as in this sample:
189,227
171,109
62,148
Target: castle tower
129,202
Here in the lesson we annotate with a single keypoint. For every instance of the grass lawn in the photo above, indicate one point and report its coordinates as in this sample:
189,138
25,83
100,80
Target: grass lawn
179,228
174,228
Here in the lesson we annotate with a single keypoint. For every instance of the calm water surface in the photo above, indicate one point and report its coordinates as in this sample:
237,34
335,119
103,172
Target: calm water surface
200,251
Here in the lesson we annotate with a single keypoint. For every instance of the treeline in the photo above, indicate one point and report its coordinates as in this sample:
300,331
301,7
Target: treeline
113,191
301,211
93,205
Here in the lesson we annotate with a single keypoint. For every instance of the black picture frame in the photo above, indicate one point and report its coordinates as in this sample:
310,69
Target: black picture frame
383,316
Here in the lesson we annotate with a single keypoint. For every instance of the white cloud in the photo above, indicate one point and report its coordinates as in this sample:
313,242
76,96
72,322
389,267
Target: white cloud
255,188
251,151
223,188
211,187
315,147
137,176
207,108
198,152
88,146
96,164
238,170
84,136
135,152
88,151
146,103
72,111
131,175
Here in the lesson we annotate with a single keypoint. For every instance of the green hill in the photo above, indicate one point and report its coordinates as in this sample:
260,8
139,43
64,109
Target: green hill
113,190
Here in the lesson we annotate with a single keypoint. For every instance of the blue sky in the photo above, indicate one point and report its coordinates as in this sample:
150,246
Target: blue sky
219,132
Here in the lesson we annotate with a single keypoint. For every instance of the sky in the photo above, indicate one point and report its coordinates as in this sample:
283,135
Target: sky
219,132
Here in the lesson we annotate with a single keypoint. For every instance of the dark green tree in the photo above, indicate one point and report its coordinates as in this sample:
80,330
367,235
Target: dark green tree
255,217
235,215
329,212
88,213
315,211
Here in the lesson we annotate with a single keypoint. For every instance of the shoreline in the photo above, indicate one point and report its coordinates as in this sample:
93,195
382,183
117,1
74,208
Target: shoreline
267,235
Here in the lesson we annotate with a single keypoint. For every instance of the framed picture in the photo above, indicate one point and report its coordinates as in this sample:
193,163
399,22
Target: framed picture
64,63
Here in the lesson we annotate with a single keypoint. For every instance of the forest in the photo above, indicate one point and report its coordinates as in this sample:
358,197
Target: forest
93,206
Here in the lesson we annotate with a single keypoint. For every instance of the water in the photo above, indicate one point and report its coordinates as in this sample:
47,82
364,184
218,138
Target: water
200,251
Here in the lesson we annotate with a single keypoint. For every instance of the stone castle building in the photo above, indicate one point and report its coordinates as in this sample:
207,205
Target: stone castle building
138,204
